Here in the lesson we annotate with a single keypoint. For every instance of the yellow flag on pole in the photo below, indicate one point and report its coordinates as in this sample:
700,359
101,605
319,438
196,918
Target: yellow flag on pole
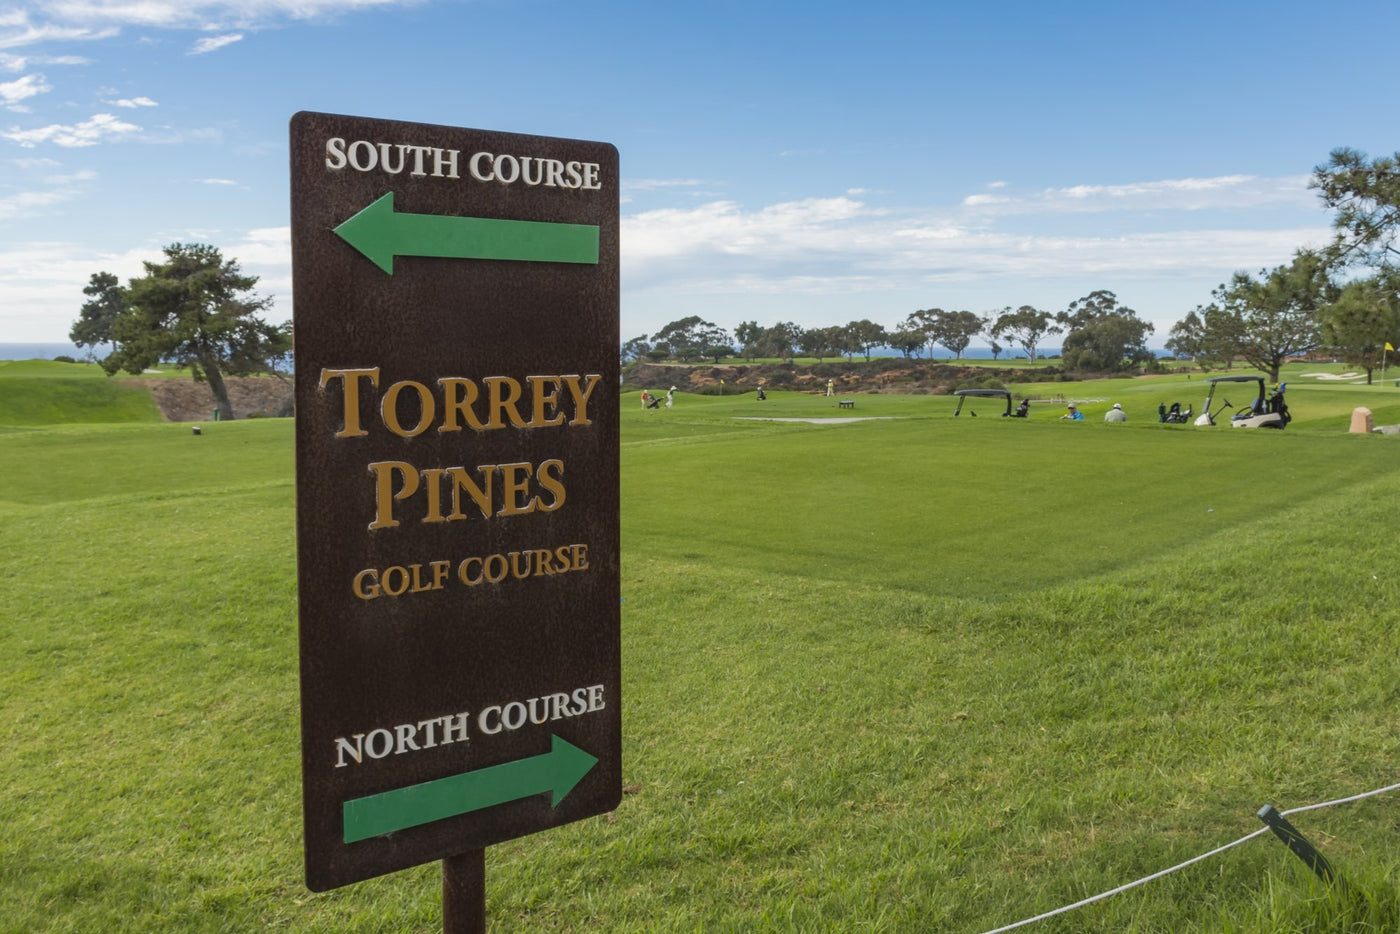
1388,347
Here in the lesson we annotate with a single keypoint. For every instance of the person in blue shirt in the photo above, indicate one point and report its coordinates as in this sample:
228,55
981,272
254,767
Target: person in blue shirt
1073,415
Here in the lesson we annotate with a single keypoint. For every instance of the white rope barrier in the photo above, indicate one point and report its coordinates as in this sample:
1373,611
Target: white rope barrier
1328,804
1189,862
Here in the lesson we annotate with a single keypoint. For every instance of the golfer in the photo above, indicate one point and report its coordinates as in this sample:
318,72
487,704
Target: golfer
1073,415
1115,414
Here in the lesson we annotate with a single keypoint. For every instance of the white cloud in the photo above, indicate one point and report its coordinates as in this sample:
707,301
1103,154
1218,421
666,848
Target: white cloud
82,175
132,103
213,43
83,16
16,30
216,181
88,133
60,188
722,227
839,245
1181,194
13,92
9,62
27,203
169,136
977,201
660,184
41,283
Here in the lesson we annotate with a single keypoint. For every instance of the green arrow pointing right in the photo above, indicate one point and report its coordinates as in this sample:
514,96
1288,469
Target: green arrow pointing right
556,772
380,234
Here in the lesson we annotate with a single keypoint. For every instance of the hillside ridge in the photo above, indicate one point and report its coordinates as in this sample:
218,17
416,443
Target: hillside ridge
880,375
185,400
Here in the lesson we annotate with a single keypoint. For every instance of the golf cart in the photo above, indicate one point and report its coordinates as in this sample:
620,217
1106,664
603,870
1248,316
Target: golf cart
1020,412
1261,413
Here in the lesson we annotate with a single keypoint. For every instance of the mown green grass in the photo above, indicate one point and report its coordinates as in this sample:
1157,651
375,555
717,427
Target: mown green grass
43,392
915,674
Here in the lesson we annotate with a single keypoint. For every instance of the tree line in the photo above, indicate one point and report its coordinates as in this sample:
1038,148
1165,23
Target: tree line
1103,335
196,309
1343,299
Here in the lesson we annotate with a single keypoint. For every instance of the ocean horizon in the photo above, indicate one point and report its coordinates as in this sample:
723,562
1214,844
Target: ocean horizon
45,350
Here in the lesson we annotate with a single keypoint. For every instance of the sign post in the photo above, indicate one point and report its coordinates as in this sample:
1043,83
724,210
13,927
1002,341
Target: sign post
456,321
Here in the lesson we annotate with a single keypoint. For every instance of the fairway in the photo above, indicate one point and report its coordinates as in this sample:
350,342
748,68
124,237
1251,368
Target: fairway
915,673
978,509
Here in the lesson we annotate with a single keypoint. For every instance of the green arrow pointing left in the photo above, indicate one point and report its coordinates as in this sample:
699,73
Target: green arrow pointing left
381,234
556,772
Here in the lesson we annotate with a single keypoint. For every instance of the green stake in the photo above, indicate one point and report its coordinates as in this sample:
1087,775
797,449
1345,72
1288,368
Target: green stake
556,772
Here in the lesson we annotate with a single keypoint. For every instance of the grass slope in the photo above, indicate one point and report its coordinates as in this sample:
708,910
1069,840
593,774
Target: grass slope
42,392
908,675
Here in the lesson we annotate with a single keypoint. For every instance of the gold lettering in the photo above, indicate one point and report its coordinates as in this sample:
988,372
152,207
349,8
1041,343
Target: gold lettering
545,398
373,589
564,557
551,478
513,485
487,490
464,574
389,409
386,495
350,395
481,495
392,588
432,479
455,404
418,585
501,404
581,395
496,403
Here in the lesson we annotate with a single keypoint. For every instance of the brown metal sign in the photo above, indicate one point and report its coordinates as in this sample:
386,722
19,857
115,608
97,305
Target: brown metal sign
456,319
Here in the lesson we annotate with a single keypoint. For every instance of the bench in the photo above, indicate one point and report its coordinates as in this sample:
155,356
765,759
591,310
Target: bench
847,403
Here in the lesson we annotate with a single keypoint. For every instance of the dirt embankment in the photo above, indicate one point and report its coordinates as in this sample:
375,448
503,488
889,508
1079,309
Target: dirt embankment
184,400
888,375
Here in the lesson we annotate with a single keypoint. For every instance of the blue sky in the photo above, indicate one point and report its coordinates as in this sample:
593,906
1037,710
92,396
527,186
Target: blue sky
781,161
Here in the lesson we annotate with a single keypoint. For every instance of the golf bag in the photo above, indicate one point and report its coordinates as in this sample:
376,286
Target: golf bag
1173,415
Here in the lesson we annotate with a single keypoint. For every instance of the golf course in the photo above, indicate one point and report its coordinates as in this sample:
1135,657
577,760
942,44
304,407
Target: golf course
884,670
